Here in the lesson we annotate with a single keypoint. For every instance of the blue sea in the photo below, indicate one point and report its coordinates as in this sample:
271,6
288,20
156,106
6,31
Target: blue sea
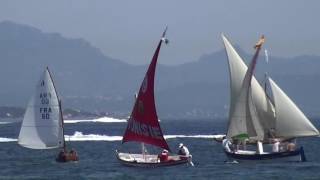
96,143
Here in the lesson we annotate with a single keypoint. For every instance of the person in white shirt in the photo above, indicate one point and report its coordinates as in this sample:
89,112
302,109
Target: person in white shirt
275,146
183,150
226,144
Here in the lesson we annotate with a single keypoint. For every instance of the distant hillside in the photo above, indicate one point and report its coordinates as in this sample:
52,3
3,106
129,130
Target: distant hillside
89,80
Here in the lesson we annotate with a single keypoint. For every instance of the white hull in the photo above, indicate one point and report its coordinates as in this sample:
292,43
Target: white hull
150,160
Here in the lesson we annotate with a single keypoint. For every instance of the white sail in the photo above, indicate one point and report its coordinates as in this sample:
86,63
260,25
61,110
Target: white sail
263,108
290,121
42,127
241,122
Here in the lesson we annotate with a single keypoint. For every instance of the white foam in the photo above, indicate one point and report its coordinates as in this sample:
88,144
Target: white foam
79,136
100,120
3,139
6,122
193,136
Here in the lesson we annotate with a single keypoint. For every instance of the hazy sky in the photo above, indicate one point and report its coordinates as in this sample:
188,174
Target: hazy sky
129,29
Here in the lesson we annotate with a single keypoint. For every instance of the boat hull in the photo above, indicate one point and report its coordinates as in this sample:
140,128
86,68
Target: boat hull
67,158
150,160
250,156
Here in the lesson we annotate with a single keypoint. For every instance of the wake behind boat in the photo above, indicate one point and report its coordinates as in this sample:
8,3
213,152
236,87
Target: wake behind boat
143,126
42,126
269,125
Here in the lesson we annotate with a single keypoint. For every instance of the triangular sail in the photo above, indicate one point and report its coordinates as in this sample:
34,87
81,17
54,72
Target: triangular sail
264,113
242,114
143,125
290,120
41,126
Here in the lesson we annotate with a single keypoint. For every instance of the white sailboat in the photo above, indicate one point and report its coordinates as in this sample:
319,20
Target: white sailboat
253,117
42,125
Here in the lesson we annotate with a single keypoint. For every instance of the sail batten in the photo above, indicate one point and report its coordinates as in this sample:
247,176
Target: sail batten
143,125
290,120
41,126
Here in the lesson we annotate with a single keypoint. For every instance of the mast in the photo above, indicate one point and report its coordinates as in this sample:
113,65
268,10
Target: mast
62,126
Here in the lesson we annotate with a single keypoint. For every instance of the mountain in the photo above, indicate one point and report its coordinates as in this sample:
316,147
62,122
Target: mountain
89,80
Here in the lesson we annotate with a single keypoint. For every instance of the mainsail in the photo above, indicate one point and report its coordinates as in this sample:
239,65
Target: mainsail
290,121
143,125
260,119
42,124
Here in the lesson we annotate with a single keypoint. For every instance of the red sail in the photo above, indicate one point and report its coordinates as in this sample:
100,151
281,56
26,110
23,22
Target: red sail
143,125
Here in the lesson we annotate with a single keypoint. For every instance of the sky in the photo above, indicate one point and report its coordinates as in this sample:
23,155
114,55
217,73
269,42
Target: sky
129,30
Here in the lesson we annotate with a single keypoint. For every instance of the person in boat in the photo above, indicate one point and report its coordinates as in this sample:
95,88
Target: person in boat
275,146
62,155
73,155
183,150
226,144
291,146
163,156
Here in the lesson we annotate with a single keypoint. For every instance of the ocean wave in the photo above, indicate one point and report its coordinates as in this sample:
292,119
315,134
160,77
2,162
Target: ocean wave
100,120
4,139
6,122
79,136
194,136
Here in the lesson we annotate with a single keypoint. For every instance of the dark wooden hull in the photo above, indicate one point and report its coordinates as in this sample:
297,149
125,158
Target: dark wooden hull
297,155
67,158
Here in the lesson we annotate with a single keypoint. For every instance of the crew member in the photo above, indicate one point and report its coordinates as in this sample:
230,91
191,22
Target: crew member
183,150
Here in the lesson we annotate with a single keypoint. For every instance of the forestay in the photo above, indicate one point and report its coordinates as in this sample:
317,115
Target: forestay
42,125
290,120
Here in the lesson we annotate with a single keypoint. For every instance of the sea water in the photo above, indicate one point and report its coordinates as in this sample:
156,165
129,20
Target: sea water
96,142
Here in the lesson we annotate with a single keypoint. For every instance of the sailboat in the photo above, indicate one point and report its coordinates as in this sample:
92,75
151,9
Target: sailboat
255,118
143,125
42,126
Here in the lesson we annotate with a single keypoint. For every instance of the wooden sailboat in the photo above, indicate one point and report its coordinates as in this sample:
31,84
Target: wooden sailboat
256,119
143,125
42,126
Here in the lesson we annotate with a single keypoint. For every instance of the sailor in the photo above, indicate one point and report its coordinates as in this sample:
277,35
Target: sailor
163,156
62,156
183,150
275,146
73,155
291,146
226,144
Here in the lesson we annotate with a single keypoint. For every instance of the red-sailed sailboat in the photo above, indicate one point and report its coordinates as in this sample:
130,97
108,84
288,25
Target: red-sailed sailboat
143,125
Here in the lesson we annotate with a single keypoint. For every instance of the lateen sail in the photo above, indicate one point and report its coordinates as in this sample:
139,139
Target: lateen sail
242,114
290,121
263,109
42,127
143,125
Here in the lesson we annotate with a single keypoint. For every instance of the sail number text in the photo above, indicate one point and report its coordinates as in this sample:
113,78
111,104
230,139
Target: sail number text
45,100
